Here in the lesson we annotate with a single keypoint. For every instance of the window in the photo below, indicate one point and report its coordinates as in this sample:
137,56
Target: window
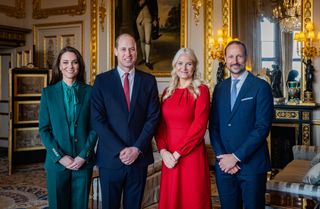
269,37
296,60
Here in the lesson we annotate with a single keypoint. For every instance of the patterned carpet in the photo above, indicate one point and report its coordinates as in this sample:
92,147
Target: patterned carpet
24,189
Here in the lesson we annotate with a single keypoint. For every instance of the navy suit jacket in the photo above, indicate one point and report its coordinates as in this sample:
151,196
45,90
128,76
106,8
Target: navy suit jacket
118,128
243,131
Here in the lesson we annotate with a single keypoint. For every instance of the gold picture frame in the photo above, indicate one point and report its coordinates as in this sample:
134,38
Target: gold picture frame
39,13
50,38
18,10
26,112
165,47
27,139
29,85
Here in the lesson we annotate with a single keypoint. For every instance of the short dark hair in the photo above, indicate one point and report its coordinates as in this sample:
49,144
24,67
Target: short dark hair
56,73
236,42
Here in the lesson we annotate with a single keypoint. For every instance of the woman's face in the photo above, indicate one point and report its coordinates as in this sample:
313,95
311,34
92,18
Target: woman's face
69,66
185,67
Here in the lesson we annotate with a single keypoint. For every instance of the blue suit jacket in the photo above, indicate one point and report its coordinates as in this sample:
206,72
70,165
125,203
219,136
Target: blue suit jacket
243,130
118,128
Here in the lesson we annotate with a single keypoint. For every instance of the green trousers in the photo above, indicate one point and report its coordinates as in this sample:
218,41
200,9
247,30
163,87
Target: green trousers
68,189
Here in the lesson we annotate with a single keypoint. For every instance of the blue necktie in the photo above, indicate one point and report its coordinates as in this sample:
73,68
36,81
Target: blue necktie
234,92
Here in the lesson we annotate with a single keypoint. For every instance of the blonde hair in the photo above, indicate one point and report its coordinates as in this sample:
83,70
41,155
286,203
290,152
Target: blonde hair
196,78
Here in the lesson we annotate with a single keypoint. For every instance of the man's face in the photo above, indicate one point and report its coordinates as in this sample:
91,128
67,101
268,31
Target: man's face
126,53
235,59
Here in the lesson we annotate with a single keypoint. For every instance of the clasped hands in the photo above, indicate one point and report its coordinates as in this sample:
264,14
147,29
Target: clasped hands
228,163
170,159
128,155
72,163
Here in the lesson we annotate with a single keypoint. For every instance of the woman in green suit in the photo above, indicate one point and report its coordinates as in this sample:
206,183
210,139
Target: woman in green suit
66,132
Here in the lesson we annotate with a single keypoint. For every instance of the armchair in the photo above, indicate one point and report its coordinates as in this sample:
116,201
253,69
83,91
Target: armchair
290,179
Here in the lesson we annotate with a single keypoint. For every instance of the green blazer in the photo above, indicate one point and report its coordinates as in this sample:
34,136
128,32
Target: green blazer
54,128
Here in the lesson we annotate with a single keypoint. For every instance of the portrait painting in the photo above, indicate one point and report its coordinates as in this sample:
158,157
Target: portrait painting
158,28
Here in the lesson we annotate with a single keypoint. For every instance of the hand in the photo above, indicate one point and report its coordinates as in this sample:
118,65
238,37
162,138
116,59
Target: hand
128,155
77,163
168,158
154,23
233,170
227,162
66,160
176,155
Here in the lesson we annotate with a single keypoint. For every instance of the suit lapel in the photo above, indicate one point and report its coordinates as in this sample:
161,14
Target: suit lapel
119,93
135,91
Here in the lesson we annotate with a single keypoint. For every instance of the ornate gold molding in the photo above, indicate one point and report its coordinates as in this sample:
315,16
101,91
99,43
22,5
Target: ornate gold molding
17,11
306,134
196,6
287,114
183,24
208,22
93,40
102,14
227,16
208,31
306,16
306,116
39,13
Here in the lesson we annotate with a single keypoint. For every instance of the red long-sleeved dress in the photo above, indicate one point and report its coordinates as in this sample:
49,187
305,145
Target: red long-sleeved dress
182,128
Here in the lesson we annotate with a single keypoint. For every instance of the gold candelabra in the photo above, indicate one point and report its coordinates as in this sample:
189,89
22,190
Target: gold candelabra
217,46
307,42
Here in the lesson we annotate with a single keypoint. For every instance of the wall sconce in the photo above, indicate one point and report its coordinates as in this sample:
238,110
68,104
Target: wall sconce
196,5
306,49
216,48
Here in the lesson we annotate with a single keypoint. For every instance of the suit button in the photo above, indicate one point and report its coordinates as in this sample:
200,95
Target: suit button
76,125
75,140
229,124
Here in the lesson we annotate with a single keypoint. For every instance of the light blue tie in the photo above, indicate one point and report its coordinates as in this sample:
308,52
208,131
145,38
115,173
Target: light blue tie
234,92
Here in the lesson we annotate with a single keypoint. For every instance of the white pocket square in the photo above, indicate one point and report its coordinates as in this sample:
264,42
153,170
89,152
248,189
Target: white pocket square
247,98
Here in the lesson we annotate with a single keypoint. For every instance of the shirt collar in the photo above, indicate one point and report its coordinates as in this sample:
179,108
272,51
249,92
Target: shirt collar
121,72
242,77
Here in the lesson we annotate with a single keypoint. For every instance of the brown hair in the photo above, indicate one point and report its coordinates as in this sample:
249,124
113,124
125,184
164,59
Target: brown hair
56,73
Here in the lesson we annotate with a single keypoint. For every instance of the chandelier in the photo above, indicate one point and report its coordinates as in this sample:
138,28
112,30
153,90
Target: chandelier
288,14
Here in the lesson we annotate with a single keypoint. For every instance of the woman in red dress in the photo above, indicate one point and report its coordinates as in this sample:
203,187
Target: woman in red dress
185,178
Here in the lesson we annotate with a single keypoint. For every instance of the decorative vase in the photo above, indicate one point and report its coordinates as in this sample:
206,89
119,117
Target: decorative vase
293,92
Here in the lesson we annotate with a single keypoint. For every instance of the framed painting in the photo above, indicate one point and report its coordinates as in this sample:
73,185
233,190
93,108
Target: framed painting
27,139
26,112
50,38
157,42
26,85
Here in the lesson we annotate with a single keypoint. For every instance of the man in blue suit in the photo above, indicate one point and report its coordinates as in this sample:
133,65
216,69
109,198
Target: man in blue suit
125,113
240,120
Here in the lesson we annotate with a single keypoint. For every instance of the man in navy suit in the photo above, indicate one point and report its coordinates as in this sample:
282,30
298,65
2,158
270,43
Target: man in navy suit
240,120
125,113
